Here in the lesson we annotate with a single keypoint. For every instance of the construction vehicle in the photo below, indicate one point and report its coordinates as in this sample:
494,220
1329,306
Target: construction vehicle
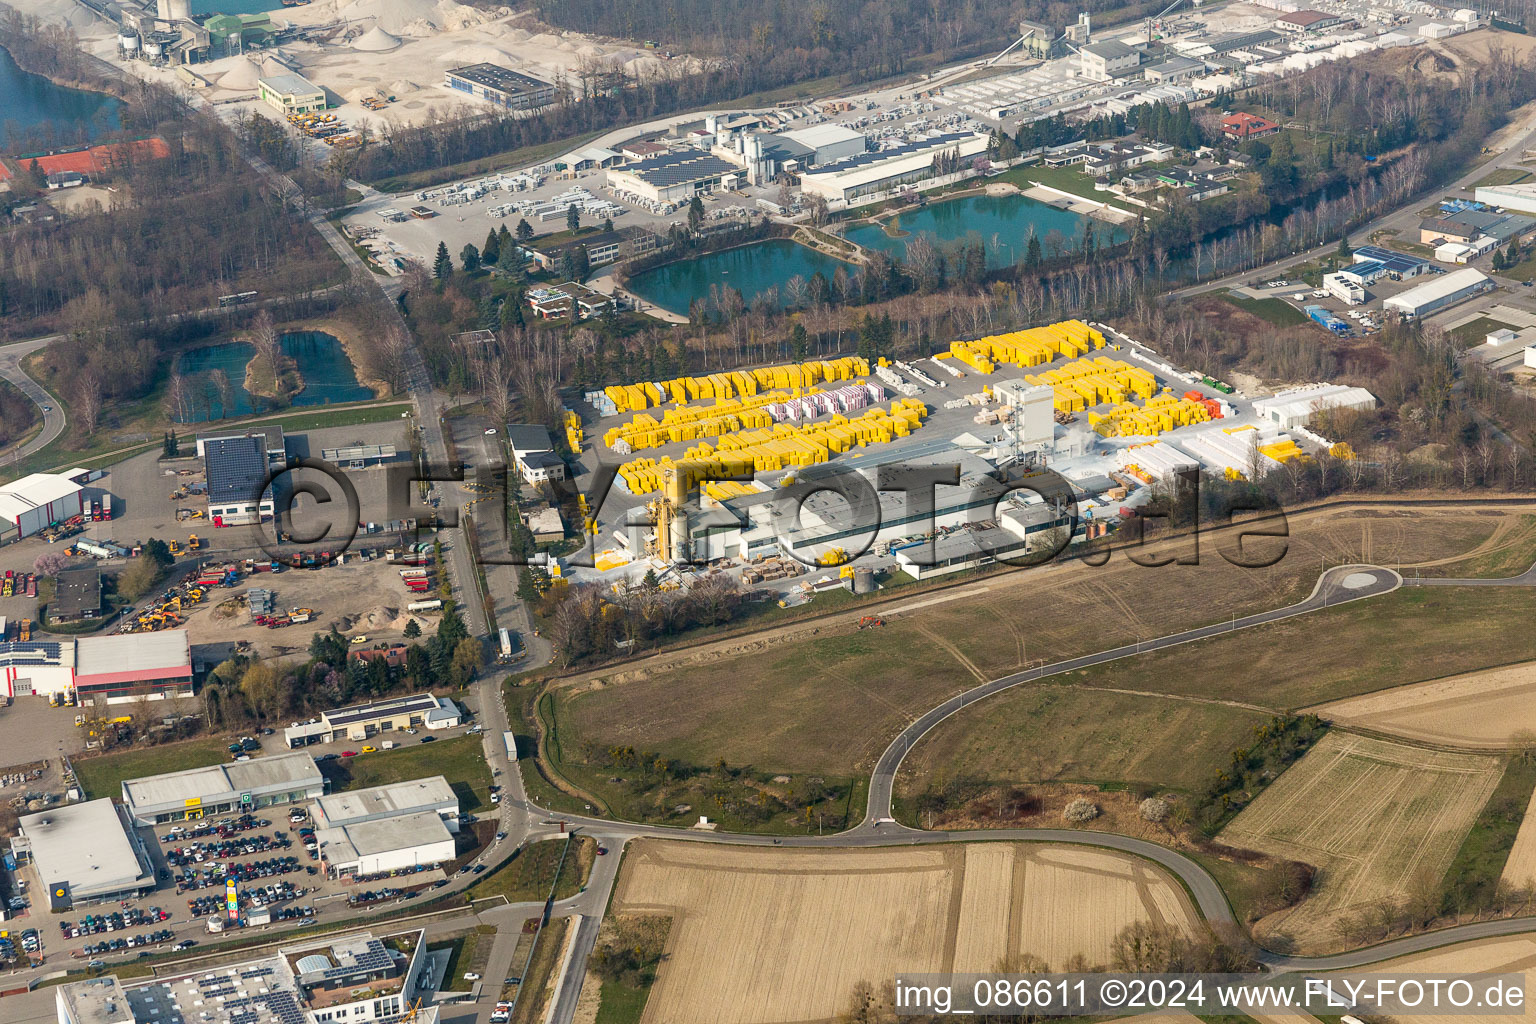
25,629
175,547
193,544
870,620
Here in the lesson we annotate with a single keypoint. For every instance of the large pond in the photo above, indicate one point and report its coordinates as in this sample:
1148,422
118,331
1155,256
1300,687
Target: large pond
35,111
750,269
323,365
1002,223
202,7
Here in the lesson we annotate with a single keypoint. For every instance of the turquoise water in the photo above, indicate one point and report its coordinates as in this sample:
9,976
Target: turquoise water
202,7
34,109
323,364
998,221
750,269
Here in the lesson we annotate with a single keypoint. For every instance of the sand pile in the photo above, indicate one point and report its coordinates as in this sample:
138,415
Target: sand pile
477,53
545,39
380,617
403,85
241,76
392,15
375,40
454,17
590,50
518,35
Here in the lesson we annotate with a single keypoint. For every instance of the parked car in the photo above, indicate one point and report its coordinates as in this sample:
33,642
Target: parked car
428,739
370,750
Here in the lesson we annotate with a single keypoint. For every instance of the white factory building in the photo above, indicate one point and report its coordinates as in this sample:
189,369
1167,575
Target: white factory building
83,853
1439,293
873,174
1295,407
380,845
827,142
1109,59
113,668
336,810
236,787
1521,198
1034,411
38,501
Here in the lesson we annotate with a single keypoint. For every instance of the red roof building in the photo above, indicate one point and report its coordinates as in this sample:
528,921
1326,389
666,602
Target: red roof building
1242,127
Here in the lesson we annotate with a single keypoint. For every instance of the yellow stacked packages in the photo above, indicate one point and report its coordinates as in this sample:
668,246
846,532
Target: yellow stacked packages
734,383
1159,414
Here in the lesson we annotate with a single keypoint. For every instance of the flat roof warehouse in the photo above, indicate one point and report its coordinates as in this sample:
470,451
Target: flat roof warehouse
241,785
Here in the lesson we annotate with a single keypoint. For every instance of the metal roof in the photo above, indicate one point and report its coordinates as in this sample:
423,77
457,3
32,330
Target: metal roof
349,843
503,80
818,135
290,85
529,437
237,467
379,709
1395,262
162,654
1111,49
86,845
262,774
388,801
36,490
1442,287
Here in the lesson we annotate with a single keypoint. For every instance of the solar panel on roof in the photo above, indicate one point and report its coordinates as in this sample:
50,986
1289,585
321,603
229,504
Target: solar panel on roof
237,467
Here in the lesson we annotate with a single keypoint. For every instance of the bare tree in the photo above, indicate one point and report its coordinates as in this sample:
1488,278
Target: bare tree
266,339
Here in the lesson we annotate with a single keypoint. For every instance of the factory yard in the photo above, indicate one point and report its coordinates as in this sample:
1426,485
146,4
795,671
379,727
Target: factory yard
761,937
1493,709
1380,820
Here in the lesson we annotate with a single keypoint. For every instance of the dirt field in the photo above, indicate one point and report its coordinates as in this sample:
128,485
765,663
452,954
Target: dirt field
1515,954
1479,709
1380,820
763,936
827,697
1520,868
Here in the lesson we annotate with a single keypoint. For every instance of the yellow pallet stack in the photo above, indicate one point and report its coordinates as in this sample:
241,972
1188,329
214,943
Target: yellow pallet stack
781,446
734,383
1036,346
1084,383
1283,451
689,423
573,432
1158,415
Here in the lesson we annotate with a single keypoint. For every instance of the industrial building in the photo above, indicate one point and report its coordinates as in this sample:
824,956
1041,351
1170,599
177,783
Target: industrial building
1021,530
84,852
1175,69
290,94
239,480
273,441
872,174
107,668
36,502
828,142
602,247
1295,407
1448,290
76,595
501,86
417,796
1468,226
1508,197
222,788
364,721
674,177
354,978
534,453
381,845
1106,60
1034,423
1304,22
1399,265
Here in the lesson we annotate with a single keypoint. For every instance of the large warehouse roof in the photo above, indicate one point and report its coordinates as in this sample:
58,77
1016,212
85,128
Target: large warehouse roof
819,135
237,467
262,773
133,657
36,490
386,801
86,845
349,843
1437,288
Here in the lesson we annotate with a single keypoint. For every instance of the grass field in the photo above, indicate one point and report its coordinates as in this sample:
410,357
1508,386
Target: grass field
1520,863
1078,735
460,760
103,775
1503,176
1380,820
1476,333
827,698
1488,853
1275,311
526,878
536,988
765,936
1509,551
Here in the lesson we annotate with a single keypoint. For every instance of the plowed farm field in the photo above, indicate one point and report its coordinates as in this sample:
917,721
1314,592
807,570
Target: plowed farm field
1378,819
1476,709
768,936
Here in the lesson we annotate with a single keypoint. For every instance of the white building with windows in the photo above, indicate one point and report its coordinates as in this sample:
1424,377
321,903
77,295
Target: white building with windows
1296,406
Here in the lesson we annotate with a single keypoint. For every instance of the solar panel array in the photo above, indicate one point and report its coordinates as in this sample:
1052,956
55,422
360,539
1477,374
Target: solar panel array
237,467
258,993
1396,262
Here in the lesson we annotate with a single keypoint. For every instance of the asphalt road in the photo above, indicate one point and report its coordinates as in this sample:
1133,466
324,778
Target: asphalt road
53,411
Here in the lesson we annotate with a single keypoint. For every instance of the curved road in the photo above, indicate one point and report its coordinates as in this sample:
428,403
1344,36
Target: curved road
53,412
